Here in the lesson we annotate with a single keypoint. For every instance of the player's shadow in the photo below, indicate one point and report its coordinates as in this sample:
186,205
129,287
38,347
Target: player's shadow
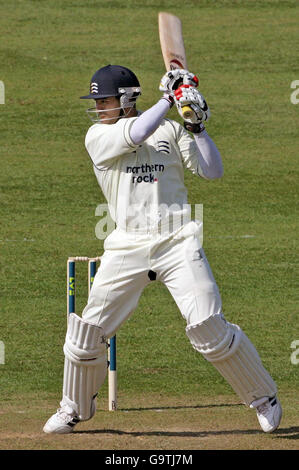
282,433
288,433
180,407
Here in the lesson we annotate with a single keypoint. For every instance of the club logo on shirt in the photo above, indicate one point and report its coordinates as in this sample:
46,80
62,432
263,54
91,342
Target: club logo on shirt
163,146
145,173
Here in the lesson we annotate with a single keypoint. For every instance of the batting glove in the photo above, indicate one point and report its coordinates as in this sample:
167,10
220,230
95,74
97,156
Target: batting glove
174,78
187,95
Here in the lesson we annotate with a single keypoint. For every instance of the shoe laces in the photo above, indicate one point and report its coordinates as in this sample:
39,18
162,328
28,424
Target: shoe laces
66,413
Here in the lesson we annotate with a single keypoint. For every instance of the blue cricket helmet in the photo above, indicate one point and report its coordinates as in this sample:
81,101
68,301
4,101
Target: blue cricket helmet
113,80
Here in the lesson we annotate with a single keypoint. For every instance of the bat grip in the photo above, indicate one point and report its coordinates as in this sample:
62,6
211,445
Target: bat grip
187,112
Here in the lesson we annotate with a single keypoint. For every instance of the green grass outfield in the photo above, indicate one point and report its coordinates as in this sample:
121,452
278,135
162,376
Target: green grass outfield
246,55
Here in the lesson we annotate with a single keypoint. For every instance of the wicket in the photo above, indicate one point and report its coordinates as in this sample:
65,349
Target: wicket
71,305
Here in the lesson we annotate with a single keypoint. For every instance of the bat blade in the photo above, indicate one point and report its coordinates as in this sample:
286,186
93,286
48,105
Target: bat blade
171,40
172,47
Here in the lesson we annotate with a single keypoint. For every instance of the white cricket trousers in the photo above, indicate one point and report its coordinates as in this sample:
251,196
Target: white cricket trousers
178,261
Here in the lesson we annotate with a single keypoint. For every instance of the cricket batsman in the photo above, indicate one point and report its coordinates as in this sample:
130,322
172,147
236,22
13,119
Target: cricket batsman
139,160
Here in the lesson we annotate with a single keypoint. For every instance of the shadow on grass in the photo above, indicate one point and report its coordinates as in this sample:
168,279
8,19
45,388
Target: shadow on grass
293,433
181,407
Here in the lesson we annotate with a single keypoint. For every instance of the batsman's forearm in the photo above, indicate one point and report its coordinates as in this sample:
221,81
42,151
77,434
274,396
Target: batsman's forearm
209,157
149,121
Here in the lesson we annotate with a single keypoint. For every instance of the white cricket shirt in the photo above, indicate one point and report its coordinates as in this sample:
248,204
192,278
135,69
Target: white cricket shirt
143,184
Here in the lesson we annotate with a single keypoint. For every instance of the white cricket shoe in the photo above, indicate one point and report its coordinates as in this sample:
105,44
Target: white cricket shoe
62,422
268,412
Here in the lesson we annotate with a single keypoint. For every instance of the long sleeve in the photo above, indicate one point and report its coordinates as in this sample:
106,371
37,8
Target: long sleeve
146,124
199,154
209,158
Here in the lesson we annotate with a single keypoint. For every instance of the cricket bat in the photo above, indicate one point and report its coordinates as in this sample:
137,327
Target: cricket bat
172,47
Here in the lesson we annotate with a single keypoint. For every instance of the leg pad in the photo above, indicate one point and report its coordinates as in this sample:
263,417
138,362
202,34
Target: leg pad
85,366
234,356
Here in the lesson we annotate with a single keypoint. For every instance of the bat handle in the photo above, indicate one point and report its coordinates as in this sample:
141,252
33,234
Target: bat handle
187,112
